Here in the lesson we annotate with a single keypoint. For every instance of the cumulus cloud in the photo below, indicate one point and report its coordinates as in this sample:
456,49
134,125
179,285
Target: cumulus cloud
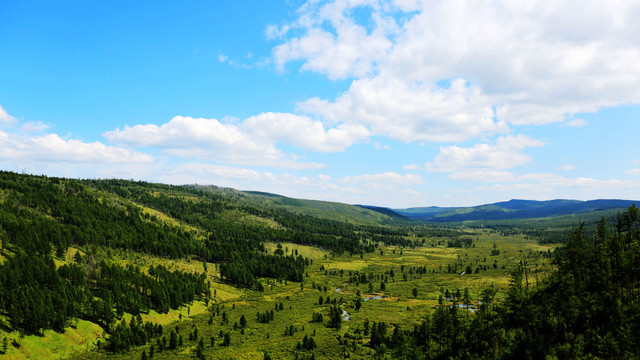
522,63
484,176
302,132
412,111
5,117
383,179
575,123
250,142
350,50
35,127
549,185
506,153
52,148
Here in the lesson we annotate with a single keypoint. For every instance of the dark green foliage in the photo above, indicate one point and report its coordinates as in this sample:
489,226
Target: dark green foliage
317,317
335,317
226,341
358,302
290,330
200,350
265,317
135,333
460,242
173,340
308,343
34,295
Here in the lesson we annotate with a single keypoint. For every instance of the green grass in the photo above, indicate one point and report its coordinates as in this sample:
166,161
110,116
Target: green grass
399,308
79,339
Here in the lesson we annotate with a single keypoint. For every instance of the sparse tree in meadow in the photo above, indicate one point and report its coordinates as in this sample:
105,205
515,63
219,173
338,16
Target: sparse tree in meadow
227,339
173,340
335,317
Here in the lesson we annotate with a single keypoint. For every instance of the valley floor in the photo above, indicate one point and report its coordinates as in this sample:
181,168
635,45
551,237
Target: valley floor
398,286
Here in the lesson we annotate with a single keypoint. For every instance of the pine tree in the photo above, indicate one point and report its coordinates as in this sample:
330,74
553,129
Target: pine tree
173,340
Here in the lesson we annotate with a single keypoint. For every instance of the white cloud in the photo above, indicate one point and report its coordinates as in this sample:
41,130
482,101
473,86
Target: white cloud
302,132
348,49
633,172
206,139
35,127
484,176
533,62
222,58
250,142
51,148
5,117
412,111
411,167
506,153
575,123
549,186
380,146
567,167
383,179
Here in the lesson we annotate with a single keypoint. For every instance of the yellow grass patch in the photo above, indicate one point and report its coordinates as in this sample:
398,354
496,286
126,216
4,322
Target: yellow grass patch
187,312
253,219
354,265
306,251
54,345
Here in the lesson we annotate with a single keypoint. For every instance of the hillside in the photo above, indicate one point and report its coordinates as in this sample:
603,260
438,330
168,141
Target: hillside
43,218
320,209
115,269
513,209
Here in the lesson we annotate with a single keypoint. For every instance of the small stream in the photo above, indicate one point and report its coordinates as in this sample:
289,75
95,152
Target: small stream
469,307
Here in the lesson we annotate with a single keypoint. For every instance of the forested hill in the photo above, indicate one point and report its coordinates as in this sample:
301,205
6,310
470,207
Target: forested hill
41,217
513,209
320,209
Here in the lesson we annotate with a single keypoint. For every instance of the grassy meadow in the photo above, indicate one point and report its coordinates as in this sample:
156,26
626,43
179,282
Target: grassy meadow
395,305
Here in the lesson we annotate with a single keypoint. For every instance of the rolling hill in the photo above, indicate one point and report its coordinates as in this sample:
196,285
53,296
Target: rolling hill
510,210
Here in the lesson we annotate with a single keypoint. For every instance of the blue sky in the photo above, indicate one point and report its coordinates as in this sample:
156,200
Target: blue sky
397,103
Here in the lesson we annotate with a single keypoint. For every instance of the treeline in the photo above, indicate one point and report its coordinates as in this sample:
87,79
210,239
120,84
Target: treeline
41,213
589,308
36,296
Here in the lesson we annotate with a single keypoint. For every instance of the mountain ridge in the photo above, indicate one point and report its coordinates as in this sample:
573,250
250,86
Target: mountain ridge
507,210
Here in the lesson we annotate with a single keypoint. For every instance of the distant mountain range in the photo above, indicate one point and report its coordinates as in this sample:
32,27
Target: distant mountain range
506,210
